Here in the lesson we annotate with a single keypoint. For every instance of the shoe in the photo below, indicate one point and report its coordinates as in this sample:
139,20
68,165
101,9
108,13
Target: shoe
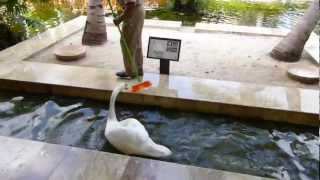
123,75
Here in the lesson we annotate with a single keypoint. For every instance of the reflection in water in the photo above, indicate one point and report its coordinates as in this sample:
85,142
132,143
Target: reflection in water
264,149
272,13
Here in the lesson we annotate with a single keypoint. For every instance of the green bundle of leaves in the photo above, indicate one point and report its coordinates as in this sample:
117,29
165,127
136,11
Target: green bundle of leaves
33,16
13,7
11,12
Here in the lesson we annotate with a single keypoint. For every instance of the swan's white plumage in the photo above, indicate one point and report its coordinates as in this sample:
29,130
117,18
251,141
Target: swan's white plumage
129,136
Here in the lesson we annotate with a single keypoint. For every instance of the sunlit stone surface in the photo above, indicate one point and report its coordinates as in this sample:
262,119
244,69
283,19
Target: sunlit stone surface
23,159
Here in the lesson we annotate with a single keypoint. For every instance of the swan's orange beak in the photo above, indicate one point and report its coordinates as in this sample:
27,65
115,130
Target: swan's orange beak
140,87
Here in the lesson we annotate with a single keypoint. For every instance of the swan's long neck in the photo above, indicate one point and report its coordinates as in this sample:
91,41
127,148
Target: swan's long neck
112,111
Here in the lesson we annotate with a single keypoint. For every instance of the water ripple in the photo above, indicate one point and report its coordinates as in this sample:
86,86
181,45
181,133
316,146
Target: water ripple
264,149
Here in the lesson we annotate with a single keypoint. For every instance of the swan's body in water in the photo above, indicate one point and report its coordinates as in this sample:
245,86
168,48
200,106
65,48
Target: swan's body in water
129,136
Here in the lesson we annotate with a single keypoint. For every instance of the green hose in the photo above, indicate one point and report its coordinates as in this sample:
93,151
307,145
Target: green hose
128,51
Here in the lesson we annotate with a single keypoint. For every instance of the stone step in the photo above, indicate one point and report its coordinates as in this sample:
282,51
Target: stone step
25,159
243,100
151,23
245,30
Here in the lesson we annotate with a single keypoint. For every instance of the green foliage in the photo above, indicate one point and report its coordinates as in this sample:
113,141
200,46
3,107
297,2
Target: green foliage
21,19
225,10
42,17
32,16
242,12
192,11
17,7
13,7
238,7
189,6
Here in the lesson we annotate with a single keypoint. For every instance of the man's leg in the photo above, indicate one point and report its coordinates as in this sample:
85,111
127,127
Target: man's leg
139,52
139,60
132,29
127,32
125,57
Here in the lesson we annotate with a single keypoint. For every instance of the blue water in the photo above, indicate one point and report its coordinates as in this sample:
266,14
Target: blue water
257,148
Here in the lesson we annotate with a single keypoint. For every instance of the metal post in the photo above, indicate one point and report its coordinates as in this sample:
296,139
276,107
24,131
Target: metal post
164,66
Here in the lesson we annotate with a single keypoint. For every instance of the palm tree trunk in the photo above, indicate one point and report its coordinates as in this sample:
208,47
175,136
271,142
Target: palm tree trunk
95,29
291,47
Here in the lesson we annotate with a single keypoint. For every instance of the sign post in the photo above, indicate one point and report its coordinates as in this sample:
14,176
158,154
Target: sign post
164,49
164,66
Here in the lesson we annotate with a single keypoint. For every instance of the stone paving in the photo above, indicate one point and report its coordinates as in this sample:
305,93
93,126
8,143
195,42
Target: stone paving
220,52
31,160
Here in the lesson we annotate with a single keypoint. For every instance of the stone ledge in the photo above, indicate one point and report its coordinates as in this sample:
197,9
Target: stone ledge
25,159
150,23
244,100
161,24
244,30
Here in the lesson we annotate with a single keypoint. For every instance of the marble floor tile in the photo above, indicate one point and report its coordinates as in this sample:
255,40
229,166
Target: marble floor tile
83,164
31,160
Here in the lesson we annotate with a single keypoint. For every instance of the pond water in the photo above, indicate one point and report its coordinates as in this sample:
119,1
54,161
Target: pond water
266,13
283,14
264,149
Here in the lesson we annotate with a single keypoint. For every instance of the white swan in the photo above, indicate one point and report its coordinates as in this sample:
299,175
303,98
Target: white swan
129,136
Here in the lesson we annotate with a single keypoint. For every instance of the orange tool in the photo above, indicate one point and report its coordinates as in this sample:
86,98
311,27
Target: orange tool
141,86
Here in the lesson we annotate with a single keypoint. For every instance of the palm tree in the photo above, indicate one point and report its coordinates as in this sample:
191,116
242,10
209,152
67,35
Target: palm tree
95,29
291,47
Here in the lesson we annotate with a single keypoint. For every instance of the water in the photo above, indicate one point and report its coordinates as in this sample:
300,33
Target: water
273,14
264,149
266,13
